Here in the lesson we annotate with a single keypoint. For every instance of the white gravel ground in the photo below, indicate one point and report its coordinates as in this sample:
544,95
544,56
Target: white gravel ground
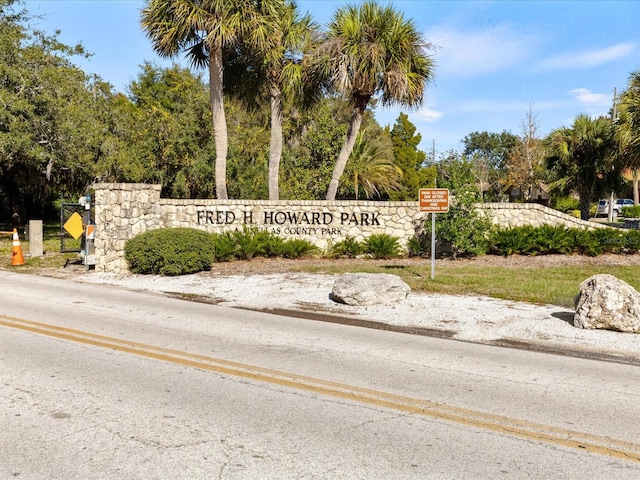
479,319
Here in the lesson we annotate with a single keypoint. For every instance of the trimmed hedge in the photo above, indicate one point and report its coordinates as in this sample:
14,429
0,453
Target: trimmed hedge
170,251
631,212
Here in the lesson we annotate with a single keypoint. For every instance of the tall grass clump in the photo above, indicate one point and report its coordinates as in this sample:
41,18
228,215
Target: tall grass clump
512,241
297,248
632,242
419,245
250,242
347,248
382,246
224,247
547,239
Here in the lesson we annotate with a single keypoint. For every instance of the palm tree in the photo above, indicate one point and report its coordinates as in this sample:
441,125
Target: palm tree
371,167
633,175
285,75
371,51
205,29
580,159
275,71
628,131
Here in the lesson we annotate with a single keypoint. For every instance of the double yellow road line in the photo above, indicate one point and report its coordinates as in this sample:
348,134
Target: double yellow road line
504,425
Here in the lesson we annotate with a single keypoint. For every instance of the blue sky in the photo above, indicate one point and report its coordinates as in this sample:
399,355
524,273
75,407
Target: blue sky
494,59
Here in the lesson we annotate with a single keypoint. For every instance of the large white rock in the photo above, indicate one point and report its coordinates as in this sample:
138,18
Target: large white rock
369,289
608,303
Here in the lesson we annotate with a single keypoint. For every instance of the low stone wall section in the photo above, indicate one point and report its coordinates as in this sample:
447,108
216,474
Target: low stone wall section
123,211
534,214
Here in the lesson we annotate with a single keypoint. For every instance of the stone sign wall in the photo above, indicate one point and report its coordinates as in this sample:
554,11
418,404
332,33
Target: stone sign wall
124,210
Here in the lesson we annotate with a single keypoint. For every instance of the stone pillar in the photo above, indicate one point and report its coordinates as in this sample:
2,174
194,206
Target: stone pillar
35,238
122,211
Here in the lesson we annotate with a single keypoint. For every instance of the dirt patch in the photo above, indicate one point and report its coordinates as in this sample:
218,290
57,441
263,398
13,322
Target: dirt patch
263,266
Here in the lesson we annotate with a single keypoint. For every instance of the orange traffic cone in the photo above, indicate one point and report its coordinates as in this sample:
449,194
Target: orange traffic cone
16,257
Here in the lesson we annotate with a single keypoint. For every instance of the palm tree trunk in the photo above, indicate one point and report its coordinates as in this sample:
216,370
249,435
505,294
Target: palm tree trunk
275,149
347,147
219,122
585,204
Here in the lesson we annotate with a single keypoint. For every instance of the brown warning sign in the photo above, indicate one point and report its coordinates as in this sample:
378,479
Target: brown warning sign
434,200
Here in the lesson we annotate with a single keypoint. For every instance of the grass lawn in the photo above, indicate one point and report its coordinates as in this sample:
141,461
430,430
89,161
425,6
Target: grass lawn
536,284
51,246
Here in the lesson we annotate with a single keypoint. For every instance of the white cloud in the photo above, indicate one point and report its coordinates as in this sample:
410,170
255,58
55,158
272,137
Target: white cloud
587,97
427,114
472,54
588,59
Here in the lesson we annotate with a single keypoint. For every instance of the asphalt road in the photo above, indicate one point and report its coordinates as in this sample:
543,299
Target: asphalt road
98,382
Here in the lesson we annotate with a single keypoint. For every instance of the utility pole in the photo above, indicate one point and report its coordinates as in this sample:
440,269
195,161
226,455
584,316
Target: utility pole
433,151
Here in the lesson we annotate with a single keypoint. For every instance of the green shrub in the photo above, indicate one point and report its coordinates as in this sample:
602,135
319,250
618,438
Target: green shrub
631,212
512,240
566,204
250,242
632,242
587,243
171,251
272,245
419,245
297,247
548,239
463,231
349,248
610,240
382,246
224,247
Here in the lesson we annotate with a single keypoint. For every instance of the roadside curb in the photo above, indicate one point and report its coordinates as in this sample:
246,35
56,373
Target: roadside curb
590,353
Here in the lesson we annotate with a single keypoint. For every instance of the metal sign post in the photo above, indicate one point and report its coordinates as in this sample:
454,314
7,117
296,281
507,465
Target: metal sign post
434,200
80,227
433,246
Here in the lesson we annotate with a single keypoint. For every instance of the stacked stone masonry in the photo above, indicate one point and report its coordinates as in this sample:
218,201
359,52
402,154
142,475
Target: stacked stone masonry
519,214
123,211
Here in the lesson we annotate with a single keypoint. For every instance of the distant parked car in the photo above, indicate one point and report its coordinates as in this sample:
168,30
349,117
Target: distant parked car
603,206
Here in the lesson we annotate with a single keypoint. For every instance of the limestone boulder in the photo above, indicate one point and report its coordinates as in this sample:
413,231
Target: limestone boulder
369,289
606,302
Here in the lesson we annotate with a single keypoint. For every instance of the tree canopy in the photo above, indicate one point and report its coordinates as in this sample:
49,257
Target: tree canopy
371,50
411,161
62,129
579,158
52,131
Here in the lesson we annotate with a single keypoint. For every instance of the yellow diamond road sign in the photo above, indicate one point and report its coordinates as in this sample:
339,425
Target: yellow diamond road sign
74,226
